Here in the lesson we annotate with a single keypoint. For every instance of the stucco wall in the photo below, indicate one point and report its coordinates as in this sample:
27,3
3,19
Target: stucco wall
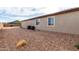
66,23
25,24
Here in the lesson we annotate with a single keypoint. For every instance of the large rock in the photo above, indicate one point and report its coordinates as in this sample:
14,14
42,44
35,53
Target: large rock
21,43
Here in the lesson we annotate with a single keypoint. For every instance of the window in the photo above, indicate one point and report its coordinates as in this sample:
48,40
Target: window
51,21
37,21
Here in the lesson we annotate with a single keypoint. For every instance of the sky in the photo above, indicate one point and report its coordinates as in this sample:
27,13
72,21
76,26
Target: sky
11,10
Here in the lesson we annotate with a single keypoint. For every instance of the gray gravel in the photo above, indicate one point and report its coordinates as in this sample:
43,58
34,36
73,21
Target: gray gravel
37,40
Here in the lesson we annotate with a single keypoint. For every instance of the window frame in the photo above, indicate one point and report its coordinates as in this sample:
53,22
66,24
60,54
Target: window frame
37,21
53,20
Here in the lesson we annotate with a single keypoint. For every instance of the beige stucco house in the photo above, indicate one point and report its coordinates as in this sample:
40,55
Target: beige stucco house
66,21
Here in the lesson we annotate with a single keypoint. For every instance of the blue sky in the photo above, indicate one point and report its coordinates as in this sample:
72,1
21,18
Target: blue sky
11,10
8,14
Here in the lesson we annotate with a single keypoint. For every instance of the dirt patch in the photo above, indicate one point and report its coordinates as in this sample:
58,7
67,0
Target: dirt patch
38,40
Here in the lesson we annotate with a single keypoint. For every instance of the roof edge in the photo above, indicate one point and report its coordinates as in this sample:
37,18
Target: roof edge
56,13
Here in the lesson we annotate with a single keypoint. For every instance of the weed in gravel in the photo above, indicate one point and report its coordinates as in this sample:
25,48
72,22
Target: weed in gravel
77,46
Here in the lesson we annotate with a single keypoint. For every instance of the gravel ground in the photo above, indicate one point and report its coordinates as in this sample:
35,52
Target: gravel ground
37,40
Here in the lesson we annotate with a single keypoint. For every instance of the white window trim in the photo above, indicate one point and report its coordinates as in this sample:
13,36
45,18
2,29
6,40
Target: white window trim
54,21
38,21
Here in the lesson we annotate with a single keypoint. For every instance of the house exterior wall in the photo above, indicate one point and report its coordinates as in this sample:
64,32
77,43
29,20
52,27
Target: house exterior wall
66,23
25,24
